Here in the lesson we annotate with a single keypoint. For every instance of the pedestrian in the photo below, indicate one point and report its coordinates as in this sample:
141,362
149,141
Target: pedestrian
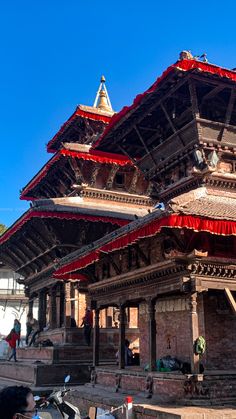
17,328
11,339
129,356
29,327
17,402
87,323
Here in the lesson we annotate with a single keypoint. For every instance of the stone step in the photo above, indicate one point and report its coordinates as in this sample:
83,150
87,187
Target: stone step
58,354
42,374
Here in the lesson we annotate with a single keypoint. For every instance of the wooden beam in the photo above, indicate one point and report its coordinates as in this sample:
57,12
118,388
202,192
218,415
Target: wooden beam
193,96
36,258
141,138
145,259
228,113
115,266
212,93
171,123
149,152
155,104
230,299
147,128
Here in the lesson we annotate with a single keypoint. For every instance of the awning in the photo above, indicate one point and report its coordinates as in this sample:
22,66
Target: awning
218,227
54,214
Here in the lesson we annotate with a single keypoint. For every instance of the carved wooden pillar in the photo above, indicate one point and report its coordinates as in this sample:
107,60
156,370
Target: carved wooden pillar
67,309
42,309
76,306
31,306
152,335
52,308
122,337
194,332
62,305
96,338
58,305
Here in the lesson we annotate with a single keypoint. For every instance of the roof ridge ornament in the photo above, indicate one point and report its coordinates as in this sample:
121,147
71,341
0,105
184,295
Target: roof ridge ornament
102,100
187,55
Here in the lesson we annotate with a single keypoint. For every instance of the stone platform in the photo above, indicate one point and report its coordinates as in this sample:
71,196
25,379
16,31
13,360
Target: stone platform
86,396
64,353
213,387
47,366
42,374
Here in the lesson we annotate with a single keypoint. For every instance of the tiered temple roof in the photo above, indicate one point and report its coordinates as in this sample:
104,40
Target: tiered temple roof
76,188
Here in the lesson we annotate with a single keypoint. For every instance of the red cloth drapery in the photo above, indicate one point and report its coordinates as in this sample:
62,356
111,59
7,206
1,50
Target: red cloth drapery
93,155
75,277
99,157
219,227
54,214
83,114
182,65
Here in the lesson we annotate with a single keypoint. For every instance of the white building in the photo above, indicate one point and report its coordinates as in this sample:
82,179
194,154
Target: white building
13,303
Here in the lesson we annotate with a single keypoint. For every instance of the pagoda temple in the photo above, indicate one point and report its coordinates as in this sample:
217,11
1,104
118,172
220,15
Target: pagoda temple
157,262
78,197
176,266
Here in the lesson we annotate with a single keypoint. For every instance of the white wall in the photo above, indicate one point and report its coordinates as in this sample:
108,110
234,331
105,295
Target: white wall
11,310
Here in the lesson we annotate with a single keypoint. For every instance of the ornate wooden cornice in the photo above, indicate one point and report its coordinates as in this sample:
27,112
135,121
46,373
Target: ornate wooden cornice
116,196
221,182
213,269
163,272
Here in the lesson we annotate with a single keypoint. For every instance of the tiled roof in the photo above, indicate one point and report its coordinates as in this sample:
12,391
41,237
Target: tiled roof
211,206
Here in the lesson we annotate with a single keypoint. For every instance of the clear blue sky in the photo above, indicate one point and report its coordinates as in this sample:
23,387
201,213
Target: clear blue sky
53,53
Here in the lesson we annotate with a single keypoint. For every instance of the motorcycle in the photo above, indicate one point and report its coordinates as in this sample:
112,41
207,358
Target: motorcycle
55,400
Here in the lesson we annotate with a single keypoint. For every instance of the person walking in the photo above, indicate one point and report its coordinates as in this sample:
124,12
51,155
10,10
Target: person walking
87,323
11,339
17,328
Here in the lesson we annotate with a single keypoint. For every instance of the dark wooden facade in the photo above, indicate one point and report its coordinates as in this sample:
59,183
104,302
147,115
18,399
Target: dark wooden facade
181,276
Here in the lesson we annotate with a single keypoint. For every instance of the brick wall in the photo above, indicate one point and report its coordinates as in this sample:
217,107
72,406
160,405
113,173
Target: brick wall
220,325
173,333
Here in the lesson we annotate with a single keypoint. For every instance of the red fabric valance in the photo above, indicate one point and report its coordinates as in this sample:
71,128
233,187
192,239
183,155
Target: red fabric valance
182,65
75,277
219,227
54,214
99,156
83,114
92,155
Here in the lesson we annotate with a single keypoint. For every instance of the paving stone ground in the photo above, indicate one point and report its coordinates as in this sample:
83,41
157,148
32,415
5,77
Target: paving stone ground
86,395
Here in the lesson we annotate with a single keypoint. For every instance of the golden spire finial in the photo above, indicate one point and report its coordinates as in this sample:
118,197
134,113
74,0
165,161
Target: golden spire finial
102,100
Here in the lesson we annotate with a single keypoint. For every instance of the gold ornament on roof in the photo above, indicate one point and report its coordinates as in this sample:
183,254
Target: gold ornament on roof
102,100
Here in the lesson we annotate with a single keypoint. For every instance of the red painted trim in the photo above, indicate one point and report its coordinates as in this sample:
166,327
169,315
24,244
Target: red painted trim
93,155
75,277
83,114
38,177
99,156
218,227
182,65
69,216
